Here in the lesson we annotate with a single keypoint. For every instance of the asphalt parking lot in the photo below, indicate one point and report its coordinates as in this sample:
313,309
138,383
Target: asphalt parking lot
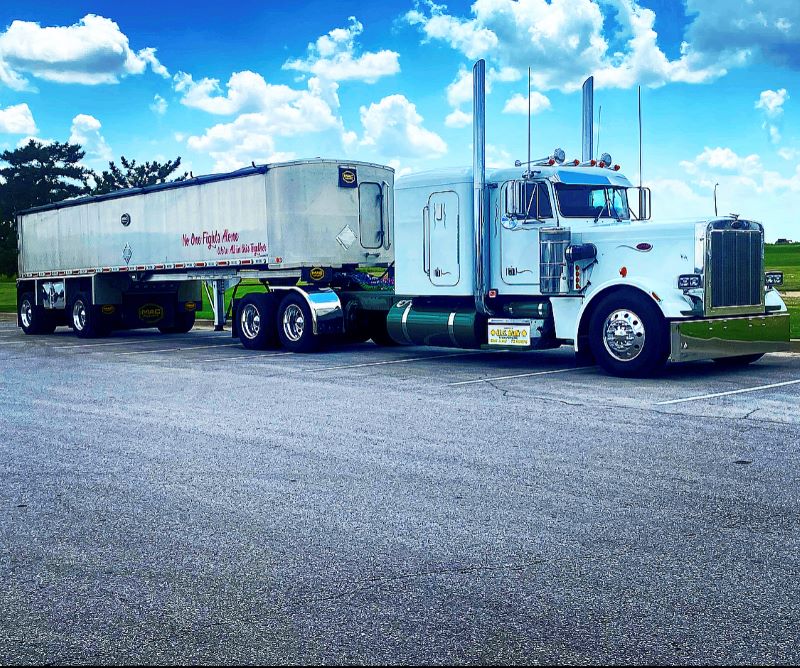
178,499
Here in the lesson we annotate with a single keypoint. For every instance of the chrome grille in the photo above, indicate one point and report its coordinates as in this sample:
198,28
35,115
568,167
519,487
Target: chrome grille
735,267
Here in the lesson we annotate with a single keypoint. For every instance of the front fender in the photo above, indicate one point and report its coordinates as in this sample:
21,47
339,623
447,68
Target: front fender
670,304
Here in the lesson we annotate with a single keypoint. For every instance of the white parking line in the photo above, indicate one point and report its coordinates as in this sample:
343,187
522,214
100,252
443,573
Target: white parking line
244,356
700,397
400,361
160,350
125,342
518,375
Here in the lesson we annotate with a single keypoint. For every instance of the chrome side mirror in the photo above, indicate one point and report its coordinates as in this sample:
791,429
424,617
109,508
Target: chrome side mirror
642,210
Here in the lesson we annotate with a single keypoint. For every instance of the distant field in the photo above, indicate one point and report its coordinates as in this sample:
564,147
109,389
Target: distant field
8,295
785,258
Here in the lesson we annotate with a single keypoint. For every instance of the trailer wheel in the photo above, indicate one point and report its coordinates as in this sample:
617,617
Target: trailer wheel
739,360
255,318
183,323
295,325
628,335
85,318
34,319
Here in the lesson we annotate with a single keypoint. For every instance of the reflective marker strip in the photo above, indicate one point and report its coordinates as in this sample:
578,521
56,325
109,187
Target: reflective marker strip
725,394
519,375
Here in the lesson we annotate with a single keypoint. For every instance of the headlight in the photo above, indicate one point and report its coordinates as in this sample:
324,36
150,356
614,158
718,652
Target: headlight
773,278
689,281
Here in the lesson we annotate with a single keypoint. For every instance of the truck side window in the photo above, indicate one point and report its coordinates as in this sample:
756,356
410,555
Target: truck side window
527,200
536,200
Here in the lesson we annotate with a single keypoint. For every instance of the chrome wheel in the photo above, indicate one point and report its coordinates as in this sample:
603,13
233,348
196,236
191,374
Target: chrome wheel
250,321
26,313
293,322
79,315
623,335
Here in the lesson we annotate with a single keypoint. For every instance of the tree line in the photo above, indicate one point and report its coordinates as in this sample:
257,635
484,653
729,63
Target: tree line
39,173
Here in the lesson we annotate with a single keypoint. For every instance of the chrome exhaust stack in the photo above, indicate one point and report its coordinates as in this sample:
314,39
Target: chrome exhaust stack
588,120
480,200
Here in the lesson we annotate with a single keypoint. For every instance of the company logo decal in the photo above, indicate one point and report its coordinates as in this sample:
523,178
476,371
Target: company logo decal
151,313
643,247
190,306
108,309
125,219
348,178
317,273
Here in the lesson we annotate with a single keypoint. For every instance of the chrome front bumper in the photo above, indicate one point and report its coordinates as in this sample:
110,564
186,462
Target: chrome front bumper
728,337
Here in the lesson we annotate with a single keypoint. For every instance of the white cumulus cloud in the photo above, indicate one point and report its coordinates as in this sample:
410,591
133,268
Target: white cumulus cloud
17,120
771,101
334,57
567,40
92,51
518,104
85,131
771,104
395,128
159,105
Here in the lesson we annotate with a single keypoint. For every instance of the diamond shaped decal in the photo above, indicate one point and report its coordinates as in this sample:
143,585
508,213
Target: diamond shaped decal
346,237
127,253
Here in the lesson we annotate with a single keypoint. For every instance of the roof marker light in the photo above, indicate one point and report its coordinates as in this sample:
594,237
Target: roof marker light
616,168
601,164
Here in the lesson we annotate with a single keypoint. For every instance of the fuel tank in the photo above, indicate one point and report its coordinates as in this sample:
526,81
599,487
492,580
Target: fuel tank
414,324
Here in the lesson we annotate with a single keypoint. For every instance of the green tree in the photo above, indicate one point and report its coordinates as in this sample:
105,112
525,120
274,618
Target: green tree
33,175
131,175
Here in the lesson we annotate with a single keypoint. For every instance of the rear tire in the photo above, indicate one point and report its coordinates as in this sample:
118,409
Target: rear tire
183,323
85,318
255,321
628,335
295,326
739,361
34,319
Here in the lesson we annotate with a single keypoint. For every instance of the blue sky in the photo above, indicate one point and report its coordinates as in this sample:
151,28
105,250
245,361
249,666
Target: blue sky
225,84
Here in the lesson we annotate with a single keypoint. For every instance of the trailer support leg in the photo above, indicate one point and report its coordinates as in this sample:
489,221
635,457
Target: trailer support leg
219,305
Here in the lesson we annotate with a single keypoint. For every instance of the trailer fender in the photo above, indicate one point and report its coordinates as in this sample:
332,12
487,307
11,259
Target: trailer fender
668,304
327,315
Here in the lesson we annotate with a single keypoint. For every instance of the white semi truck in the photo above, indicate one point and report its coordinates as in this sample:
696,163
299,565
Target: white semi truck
531,257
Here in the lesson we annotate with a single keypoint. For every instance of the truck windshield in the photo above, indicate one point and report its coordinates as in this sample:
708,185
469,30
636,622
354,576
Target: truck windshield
585,201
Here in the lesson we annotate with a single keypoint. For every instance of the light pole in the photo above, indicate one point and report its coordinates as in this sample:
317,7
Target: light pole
715,198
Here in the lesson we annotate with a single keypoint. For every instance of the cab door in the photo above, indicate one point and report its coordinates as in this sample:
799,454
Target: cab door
519,230
442,221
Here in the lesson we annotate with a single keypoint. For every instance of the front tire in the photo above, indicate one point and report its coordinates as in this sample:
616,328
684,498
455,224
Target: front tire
295,327
34,319
628,335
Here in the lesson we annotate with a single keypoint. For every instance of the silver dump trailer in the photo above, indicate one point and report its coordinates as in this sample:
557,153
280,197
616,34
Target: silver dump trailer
139,257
